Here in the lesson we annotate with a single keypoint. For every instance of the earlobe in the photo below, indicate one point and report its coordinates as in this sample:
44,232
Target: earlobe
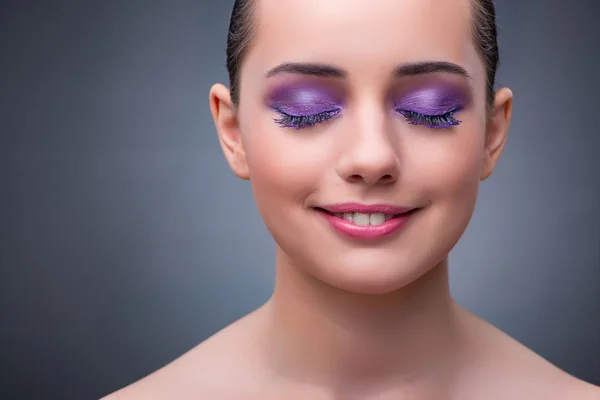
497,130
226,123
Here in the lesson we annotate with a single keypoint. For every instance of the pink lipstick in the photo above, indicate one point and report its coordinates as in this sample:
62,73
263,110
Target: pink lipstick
361,221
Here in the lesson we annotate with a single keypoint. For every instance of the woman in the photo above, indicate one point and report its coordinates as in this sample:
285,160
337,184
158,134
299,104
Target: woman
364,128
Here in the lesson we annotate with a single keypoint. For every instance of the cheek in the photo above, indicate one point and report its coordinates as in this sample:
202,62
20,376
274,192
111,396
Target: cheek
449,171
449,167
285,165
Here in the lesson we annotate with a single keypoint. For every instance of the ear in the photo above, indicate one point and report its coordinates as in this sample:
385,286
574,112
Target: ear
226,122
496,131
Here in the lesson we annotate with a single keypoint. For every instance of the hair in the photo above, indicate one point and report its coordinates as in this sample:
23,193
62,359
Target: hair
241,32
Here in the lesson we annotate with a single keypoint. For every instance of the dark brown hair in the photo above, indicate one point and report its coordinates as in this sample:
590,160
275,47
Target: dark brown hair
241,29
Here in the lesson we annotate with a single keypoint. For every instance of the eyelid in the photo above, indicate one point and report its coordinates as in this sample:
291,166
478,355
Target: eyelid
445,111
310,114
303,100
430,99
442,121
305,121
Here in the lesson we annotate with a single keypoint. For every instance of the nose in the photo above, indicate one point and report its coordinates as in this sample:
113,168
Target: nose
369,156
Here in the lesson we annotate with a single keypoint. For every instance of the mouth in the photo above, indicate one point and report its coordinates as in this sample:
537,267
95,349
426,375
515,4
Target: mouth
364,218
359,221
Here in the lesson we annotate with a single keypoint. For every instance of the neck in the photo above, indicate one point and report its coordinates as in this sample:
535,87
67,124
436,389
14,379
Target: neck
326,336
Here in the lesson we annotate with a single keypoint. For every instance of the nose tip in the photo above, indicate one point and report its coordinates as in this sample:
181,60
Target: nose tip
369,167
373,161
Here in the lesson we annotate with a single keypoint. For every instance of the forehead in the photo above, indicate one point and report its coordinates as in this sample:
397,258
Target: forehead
362,35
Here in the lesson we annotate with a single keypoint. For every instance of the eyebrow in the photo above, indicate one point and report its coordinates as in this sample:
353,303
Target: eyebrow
323,70
402,70
429,67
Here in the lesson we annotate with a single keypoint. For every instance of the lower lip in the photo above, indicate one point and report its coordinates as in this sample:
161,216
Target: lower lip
352,230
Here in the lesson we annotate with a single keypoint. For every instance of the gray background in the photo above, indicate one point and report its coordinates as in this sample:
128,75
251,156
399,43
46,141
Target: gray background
125,239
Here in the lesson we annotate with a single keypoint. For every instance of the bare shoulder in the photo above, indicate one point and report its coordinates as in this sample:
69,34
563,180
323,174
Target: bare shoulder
506,369
570,387
584,391
219,366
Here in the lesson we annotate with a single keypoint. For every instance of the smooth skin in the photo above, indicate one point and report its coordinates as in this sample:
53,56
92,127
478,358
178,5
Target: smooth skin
349,319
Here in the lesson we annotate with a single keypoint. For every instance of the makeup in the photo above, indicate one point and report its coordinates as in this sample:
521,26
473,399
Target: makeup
304,104
433,105
300,99
360,221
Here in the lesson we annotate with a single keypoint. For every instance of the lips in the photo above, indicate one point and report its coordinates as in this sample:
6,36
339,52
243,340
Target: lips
365,221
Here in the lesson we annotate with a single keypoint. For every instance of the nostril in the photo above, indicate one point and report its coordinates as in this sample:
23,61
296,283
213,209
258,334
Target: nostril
385,179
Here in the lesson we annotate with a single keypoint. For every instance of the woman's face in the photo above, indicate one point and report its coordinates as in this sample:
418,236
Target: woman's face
347,102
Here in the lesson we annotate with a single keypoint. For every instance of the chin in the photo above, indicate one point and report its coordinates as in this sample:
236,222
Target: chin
369,274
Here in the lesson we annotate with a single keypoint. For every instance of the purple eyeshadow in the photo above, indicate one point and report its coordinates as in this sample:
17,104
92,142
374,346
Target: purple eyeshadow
431,100
304,100
305,104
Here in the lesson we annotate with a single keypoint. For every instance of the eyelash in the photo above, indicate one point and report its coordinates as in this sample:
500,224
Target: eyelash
443,121
304,121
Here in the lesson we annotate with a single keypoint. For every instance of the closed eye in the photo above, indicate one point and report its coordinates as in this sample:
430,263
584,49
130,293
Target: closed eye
443,121
304,121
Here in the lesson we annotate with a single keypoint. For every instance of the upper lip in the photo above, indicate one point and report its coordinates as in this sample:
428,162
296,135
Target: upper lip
364,208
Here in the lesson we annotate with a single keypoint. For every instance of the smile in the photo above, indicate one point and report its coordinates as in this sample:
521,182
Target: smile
363,221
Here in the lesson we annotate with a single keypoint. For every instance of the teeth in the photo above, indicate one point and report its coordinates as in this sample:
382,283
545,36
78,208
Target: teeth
376,219
362,219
